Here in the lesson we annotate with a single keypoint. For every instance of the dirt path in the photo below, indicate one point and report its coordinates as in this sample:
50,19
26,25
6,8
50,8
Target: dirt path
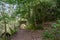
27,35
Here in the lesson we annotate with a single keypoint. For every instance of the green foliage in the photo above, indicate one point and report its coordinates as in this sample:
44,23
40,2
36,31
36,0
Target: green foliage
30,27
48,35
46,11
54,32
42,11
33,27
58,2
12,31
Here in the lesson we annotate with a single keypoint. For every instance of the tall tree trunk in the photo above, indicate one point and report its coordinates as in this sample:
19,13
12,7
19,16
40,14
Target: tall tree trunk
5,30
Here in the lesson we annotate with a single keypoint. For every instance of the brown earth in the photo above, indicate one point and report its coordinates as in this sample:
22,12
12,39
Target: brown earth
28,35
23,34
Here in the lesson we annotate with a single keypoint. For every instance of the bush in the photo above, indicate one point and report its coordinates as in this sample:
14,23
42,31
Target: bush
33,27
30,27
48,35
54,33
13,31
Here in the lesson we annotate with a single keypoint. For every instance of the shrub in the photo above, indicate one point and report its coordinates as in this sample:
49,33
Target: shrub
54,33
48,35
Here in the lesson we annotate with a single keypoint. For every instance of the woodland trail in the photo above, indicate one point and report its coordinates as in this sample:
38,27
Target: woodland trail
28,35
24,34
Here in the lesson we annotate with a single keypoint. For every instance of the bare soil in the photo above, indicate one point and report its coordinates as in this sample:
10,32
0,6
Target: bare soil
28,35
24,34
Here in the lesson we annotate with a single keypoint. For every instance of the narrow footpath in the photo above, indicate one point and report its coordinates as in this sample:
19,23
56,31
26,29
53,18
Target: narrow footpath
28,35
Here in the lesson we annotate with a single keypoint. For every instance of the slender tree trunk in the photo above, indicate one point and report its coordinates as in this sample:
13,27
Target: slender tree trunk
5,30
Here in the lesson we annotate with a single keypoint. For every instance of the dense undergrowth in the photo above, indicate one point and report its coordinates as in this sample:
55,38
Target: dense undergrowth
53,33
36,12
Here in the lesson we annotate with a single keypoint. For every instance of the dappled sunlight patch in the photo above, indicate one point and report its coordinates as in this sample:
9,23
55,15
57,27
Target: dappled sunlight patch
23,26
